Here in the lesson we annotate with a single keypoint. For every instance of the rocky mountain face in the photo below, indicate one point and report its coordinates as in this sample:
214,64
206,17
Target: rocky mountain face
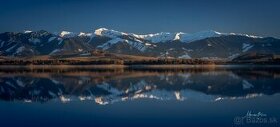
205,44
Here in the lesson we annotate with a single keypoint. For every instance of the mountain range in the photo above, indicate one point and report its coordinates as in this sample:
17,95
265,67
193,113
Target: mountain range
205,44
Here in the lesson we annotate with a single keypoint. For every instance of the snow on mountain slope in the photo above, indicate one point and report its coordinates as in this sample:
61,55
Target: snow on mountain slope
90,35
246,35
156,94
27,31
55,51
110,43
183,37
246,47
135,44
2,43
221,46
177,36
86,34
60,41
11,48
185,56
67,34
34,40
51,39
166,36
20,49
156,38
199,36
108,33
138,45
159,37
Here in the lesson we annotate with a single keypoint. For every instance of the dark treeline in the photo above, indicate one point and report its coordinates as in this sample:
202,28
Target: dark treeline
132,62
107,62
168,62
268,62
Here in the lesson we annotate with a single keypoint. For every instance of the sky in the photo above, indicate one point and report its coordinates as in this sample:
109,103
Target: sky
256,17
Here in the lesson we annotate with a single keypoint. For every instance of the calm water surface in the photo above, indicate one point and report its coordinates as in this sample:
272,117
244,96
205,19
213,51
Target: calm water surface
216,96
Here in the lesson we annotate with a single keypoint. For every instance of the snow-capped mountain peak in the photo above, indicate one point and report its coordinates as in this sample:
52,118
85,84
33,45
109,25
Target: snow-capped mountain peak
67,34
199,35
166,36
164,44
247,35
160,37
108,33
27,31
183,37
85,34
177,36
157,37
209,33
99,31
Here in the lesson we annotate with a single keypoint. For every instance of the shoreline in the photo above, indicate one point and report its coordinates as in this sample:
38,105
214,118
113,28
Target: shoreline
115,66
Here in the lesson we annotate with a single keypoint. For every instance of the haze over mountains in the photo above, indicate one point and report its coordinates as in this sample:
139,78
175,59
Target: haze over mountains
204,44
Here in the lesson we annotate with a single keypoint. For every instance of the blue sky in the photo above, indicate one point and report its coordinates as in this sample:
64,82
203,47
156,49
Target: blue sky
258,17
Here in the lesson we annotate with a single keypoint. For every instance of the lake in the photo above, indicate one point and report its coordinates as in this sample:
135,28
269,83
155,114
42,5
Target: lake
140,96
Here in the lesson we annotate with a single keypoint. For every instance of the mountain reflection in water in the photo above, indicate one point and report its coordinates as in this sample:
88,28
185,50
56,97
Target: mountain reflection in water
107,85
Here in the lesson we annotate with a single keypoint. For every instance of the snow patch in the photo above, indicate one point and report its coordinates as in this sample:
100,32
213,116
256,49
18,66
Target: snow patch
20,83
185,56
51,39
109,88
55,81
55,51
52,93
2,43
34,40
27,31
64,99
138,45
20,49
108,44
158,37
246,47
60,41
199,36
177,36
67,34
233,56
10,49
85,34
155,38
108,33
246,84
246,35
